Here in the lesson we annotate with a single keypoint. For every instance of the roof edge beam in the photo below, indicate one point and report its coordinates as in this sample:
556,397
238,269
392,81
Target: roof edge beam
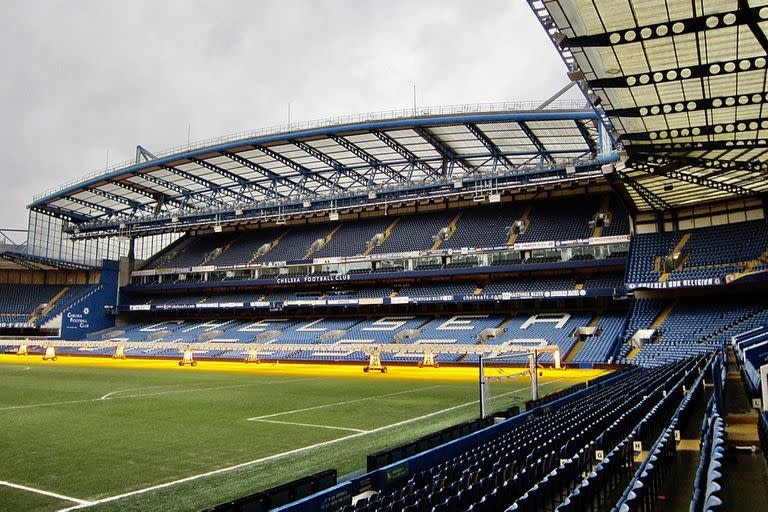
721,68
707,22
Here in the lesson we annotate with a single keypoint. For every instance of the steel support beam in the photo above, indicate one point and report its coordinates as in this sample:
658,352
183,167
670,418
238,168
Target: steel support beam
536,142
690,106
272,175
654,201
444,149
56,211
740,126
405,153
368,158
213,188
306,173
95,206
491,146
671,168
147,207
184,192
337,166
721,68
244,183
716,164
159,197
584,131
751,16
705,23
143,155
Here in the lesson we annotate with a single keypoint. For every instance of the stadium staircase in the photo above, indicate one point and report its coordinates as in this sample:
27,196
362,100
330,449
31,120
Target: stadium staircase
54,313
659,321
49,307
678,248
216,253
326,241
604,207
750,265
274,243
580,344
526,222
387,233
451,231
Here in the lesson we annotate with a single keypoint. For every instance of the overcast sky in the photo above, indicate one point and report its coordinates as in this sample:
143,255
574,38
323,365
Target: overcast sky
83,78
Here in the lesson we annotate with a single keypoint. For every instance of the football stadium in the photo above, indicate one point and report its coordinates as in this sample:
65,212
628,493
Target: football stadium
552,305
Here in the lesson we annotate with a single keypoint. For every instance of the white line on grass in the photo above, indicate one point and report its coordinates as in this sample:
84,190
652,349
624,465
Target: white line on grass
257,418
284,454
141,395
46,493
311,425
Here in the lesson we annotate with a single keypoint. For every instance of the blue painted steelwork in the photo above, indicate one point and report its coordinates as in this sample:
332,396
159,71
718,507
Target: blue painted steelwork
261,141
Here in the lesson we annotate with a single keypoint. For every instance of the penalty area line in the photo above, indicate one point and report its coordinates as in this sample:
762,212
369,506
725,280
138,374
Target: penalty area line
46,493
276,456
323,406
311,425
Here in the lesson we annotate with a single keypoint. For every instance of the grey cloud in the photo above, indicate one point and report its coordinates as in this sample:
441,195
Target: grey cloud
82,77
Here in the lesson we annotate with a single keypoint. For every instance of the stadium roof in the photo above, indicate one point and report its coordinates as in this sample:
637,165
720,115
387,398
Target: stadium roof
680,84
349,155
10,260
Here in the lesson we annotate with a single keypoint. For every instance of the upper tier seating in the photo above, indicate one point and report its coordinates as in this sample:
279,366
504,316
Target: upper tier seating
353,237
568,217
414,232
486,226
296,242
709,252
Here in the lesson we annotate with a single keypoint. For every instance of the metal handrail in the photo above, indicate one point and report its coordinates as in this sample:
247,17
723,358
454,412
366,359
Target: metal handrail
384,115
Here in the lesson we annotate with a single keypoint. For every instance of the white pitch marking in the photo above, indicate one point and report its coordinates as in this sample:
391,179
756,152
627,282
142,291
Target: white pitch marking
46,493
311,425
141,395
284,454
256,418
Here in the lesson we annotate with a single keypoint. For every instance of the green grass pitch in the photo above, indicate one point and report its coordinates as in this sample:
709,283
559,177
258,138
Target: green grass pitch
92,434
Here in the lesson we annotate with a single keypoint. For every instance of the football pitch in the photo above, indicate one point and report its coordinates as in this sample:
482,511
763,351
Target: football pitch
127,438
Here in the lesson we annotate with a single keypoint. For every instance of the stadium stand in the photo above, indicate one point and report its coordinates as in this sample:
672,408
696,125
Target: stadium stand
686,328
567,217
536,461
703,253
35,304
545,220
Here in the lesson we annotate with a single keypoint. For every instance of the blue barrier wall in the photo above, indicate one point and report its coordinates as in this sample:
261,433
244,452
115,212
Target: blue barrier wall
90,315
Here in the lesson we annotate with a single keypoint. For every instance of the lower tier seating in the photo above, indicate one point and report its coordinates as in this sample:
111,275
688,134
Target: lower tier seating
540,464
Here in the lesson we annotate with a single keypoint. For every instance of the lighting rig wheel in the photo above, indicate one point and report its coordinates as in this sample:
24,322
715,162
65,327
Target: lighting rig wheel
193,363
365,370
181,363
